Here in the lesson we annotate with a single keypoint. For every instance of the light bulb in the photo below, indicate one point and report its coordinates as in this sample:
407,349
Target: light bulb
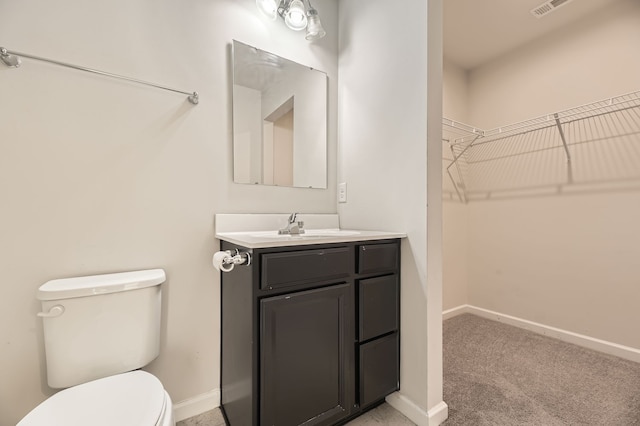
295,17
314,28
268,7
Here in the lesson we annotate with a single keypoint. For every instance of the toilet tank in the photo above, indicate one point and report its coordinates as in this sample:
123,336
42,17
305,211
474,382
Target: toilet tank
100,325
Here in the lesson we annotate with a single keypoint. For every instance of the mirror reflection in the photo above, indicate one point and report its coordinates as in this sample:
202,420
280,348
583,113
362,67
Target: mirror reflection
279,120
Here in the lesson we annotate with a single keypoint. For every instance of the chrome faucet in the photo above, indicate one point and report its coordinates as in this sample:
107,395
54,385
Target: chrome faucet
294,227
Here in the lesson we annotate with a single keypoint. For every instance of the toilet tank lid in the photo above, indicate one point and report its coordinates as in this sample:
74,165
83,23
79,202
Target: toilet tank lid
94,285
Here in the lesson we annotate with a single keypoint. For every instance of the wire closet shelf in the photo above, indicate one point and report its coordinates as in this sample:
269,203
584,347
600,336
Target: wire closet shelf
593,147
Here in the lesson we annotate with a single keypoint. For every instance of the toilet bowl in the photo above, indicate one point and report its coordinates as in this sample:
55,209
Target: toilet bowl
99,331
136,398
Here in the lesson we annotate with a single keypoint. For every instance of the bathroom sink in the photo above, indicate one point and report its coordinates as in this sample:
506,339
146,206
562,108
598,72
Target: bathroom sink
309,233
261,230
330,232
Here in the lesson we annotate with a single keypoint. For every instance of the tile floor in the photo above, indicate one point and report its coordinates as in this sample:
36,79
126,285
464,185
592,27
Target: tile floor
381,415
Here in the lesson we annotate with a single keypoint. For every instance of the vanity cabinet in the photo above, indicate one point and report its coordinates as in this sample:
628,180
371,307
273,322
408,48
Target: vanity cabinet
309,333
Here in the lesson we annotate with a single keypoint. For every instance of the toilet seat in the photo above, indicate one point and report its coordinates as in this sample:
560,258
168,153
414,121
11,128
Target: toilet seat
135,398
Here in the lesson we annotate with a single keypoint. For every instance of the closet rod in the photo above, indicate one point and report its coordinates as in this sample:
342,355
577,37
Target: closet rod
12,59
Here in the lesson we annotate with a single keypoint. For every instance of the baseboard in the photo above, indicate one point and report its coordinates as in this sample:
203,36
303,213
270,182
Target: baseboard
458,310
438,414
197,405
626,352
417,415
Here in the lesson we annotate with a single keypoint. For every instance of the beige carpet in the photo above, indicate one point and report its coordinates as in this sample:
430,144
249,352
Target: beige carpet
496,374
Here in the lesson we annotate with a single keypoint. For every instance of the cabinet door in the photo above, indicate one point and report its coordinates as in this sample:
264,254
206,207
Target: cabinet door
307,353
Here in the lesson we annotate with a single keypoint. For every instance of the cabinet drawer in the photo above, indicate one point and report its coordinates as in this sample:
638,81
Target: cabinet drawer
379,375
298,267
377,258
378,301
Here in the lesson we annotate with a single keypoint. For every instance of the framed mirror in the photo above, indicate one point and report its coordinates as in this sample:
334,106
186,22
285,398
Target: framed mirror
279,120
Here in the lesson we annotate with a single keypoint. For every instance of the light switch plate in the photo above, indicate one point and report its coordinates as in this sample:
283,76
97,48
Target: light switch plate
342,192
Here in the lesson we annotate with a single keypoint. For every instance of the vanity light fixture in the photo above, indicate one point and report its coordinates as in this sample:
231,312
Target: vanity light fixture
269,8
296,16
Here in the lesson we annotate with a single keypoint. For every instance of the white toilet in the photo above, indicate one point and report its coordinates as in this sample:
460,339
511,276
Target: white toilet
97,329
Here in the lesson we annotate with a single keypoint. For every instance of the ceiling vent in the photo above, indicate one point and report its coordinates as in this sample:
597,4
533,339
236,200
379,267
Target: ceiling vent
547,7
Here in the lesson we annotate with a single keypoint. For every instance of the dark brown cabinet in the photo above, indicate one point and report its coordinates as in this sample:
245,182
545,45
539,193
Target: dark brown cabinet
310,333
304,356
376,378
378,303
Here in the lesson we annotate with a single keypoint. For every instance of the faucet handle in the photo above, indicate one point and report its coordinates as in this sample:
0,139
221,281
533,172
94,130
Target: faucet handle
292,218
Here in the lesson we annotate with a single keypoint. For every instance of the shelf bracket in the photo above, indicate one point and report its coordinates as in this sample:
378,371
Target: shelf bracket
463,198
566,148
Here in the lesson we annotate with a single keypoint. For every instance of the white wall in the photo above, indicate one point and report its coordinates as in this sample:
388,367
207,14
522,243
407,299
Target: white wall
566,261
590,60
455,105
98,175
455,249
385,121
455,92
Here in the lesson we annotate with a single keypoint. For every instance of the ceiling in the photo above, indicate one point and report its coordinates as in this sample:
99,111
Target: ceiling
477,31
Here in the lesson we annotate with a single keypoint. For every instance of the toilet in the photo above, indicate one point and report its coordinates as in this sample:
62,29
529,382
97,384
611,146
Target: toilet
98,331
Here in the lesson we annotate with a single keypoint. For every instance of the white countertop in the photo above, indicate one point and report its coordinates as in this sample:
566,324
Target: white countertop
260,230
261,240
